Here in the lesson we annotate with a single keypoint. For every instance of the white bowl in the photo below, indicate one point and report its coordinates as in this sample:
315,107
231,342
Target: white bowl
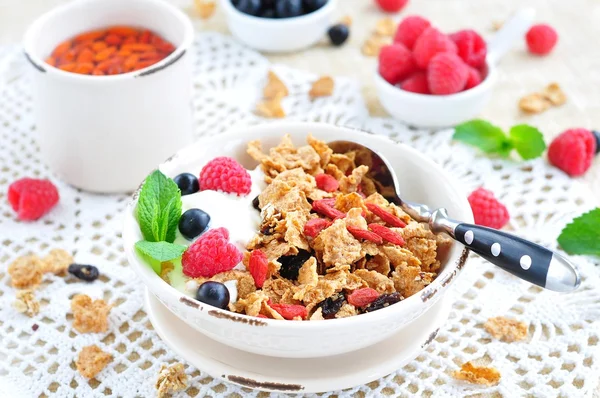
420,180
279,35
105,133
434,111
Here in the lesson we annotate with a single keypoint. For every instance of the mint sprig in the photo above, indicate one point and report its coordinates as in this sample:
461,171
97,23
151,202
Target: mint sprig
159,208
526,140
160,252
582,235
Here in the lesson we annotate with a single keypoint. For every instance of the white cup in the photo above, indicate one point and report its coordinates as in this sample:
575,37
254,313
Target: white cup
106,133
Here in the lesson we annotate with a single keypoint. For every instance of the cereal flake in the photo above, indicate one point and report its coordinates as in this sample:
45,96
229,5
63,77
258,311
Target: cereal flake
477,375
205,8
534,103
275,88
92,360
26,272
323,87
26,303
270,108
57,262
554,94
171,379
385,27
90,316
505,329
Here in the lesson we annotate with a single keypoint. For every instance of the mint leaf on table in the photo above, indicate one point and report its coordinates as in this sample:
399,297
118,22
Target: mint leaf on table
527,140
582,235
159,208
160,251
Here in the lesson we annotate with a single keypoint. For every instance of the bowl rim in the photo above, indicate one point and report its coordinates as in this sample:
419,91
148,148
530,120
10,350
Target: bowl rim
35,29
279,22
154,282
486,84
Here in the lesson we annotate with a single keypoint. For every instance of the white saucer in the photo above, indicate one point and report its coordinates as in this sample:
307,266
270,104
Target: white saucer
296,375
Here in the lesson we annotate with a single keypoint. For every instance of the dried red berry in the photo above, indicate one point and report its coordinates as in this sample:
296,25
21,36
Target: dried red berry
326,182
258,267
387,217
313,227
387,234
290,311
262,316
323,208
364,234
363,297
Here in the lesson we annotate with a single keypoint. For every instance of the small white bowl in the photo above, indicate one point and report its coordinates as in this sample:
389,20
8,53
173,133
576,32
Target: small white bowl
420,180
279,35
436,111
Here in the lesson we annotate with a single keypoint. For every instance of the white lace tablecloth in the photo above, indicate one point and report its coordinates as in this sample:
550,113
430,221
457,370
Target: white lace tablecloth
560,358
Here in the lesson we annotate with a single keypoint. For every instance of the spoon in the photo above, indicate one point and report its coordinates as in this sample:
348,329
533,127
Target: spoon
522,258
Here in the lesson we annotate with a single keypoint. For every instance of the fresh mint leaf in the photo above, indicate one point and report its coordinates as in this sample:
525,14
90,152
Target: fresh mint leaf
527,140
483,135
160,251
582,235
159,208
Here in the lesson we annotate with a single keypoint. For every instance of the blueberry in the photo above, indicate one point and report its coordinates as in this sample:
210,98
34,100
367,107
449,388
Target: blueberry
256,203
288,8
338,34
268,4
597,136
213,293
313,5
268,13
187,182
85,272
251,7
193,222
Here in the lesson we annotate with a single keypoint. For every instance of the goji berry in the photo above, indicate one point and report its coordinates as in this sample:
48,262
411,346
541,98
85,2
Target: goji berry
258,267
387,234
326,182
290,311
314,226
364,234
323,208
386,216
363,297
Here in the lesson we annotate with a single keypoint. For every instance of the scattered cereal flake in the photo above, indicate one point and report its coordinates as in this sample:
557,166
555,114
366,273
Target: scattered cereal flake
275,88
337,246
286,157
270,108
298,178
496,25
373,45
534,103
376,281
26,272
165,270
294,229
385,27
323,87
171,379
477,375
205,8
90,316
346,310
505,329
307,275
57,262
554,94
346,20
410,280
92,360
26,303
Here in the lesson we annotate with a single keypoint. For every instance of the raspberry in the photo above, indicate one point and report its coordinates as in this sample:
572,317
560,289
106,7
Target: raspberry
447,74
573,151
391,5
326,182
430,43
395,63
324,208
473,78
541,39
226,175
387,234
416,83
32,198
313,227
471,47
386,216
210,254
363,297
290,311
410,29
487,211
258,267
364,234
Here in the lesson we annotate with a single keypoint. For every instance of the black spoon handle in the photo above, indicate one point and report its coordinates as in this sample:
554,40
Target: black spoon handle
520,257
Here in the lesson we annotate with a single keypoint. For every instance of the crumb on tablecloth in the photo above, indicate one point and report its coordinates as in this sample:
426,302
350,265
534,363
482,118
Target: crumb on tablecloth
92,360
26,272
90,316
171,379
26,303
477,375
57,262
322,87
505,329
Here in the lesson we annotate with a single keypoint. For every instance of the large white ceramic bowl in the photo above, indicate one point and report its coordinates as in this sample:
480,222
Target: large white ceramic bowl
420,180
279,35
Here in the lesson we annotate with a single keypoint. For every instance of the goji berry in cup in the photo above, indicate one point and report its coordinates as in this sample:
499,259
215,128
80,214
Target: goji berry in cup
110,51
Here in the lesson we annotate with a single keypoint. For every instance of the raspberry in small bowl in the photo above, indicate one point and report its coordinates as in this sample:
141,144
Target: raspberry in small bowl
279,26
430,79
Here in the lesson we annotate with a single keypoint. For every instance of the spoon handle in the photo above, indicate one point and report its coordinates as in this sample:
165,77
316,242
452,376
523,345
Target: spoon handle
520,257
